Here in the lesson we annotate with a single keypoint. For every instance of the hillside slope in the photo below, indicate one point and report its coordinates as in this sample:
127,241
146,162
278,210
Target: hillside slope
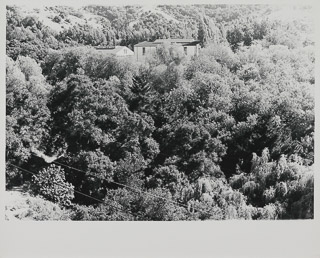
22,206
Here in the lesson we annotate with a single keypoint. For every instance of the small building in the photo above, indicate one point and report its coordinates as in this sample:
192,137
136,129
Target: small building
190,47
121,51
142,49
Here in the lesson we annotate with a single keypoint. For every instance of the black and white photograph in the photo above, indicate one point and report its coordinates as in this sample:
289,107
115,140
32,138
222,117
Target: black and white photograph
170,129
159,112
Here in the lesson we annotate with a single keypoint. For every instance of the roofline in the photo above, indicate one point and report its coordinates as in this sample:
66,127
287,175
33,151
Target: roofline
154,43
177,39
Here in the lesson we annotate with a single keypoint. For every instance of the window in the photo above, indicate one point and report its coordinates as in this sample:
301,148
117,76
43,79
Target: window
143,51
185,50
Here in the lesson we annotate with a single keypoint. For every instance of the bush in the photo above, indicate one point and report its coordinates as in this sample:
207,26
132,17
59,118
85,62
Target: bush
57,19
94,213
44,210
51,183
13,176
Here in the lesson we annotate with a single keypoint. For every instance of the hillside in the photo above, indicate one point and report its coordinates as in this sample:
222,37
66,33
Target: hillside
102,25
20,205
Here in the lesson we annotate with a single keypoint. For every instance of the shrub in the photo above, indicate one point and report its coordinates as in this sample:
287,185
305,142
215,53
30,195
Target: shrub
44,210
57,19
51,183
94,213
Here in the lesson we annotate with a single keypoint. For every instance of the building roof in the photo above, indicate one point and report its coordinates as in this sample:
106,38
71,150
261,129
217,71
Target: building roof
195,42
174,40
183,42
146,44
111,50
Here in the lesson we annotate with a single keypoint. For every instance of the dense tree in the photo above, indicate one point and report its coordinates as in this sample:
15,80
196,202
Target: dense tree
26,112
245,32
278,186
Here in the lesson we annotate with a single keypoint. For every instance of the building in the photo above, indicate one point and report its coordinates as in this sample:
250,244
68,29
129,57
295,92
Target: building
142,49
120,51
190,47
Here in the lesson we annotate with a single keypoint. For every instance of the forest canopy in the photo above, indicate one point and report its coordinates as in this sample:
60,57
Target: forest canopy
227,134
